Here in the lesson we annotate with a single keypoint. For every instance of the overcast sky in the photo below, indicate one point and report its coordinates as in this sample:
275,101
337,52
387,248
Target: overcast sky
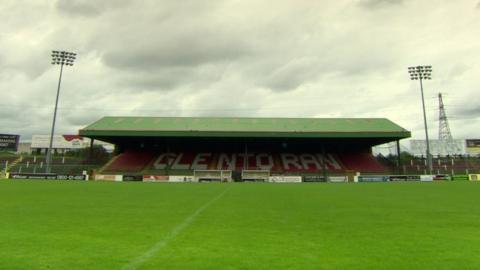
298,58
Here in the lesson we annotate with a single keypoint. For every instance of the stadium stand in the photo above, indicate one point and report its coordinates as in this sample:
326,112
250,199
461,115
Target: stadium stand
129,161
8,161
275,162
362,162
440,165
281,146
60,165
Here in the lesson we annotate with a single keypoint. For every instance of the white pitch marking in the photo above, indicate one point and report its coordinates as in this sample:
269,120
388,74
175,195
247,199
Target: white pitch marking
138,261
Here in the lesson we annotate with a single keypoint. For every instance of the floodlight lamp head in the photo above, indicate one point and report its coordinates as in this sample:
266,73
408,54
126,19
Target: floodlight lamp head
63,58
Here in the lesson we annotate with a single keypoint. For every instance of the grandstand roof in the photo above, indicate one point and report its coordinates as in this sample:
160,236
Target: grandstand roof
244,127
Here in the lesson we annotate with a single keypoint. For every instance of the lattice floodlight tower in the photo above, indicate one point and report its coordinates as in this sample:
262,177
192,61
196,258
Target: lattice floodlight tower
445,139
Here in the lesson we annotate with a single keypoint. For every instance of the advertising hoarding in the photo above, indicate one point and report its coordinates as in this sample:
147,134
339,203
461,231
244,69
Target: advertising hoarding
473,147
180,178
314,178
474,177
155,178
371,178
437,147
108,177
337,179
285,179
60,141
9,142
46,176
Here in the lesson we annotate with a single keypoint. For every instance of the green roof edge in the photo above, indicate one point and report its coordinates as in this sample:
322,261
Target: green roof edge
105,127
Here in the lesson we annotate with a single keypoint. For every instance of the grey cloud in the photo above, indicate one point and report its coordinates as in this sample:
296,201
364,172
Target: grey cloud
31,61
168,79
379,3
79,7
290,75
458,70
163,59
79,117
9,112
156,35
34,67
161,80
88,8
235,58
454,74
25,120
469,112
325,58
191,51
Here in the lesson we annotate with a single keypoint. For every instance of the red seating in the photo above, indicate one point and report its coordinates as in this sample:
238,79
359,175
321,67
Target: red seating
183,161
130,161
136,161
362,162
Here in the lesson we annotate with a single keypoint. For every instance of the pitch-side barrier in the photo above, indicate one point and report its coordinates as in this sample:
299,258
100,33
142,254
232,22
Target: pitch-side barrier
227,178
46,176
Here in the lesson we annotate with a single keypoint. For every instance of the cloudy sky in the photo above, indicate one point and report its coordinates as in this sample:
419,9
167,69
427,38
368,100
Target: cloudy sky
283,58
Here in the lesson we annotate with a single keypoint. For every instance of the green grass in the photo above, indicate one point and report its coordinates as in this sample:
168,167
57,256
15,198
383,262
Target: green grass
92,225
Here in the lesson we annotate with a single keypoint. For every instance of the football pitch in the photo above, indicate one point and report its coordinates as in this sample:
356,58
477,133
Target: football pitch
95,225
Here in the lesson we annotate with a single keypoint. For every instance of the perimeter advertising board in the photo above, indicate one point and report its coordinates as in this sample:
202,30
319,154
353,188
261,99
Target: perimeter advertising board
46,176
132,177
180,178
426,178
314,178
285,179
395,178
9,142
474,177
109,177
337,179
440,177
155,178
371,178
